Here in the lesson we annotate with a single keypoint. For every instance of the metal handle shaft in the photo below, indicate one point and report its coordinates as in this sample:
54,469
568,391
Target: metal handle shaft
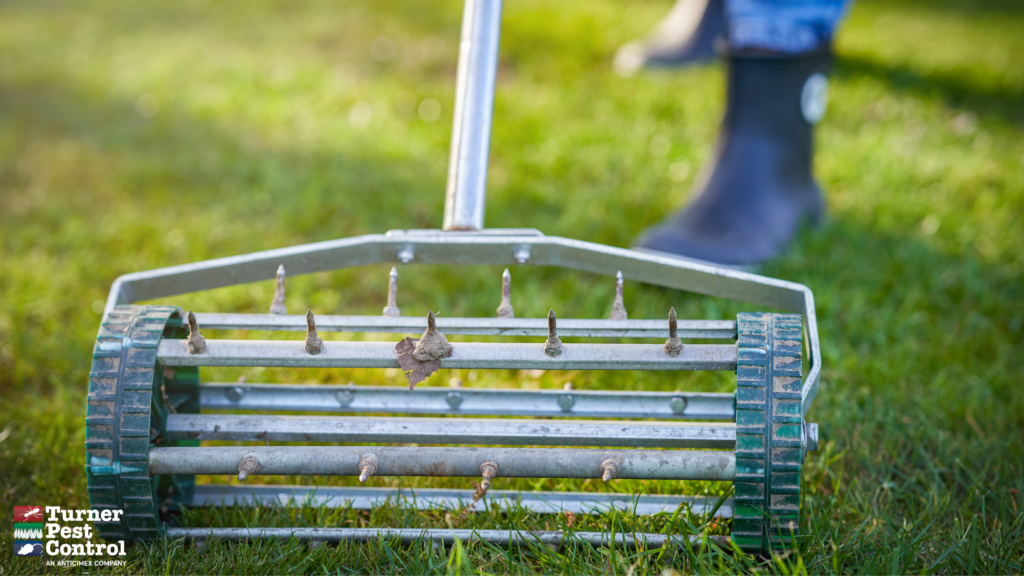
474,108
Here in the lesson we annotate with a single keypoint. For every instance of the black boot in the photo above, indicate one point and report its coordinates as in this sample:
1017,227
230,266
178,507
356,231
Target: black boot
758,189
685,35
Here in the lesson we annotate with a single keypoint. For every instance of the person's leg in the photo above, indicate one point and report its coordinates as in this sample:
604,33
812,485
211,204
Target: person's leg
686,35
781,26
759,188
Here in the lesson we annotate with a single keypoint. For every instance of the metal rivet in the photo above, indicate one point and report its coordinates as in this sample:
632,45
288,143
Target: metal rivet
677,404
405,255
522,254
345,397
565,402
234,393
454,399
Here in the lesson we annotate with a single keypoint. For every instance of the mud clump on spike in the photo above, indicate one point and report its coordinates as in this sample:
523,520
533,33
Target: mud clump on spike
314,345
196,343
618,308
505,308
673,346
421,357
277,304
432,345
391,309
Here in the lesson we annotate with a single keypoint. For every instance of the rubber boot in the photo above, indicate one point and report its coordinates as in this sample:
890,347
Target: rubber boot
758,189
686,35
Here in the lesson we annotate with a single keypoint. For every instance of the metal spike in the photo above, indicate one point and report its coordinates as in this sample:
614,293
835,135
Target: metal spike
553,345
505,308
618,308
609,470
314,345
673,346
392,308
277,304
489,470
247,466
367,467
196,344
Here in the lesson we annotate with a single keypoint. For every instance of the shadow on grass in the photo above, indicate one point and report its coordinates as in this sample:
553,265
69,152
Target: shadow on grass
998,102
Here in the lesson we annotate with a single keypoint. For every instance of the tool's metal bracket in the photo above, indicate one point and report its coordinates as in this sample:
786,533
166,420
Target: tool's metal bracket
489,247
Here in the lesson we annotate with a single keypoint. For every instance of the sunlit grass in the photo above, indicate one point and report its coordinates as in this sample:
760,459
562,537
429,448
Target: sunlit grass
140,135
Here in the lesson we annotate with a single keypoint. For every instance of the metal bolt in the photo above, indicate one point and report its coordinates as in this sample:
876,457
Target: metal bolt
673,346
247,466
454,399
609,470
618,308
196,344
392,308
367,467
345,397
314,345
677,404
566,402
234,393
405,255
277,304
522,254
505,308
488,470
553,345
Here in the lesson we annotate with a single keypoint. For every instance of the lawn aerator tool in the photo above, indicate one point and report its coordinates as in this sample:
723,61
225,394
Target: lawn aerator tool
146,414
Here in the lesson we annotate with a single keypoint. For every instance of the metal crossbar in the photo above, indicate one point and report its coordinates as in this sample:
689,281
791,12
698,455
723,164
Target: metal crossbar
468,401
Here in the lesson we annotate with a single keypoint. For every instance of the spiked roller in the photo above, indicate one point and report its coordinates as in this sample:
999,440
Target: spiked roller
150,417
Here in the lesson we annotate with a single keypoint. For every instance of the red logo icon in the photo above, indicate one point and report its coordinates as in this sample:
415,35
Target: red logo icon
28,513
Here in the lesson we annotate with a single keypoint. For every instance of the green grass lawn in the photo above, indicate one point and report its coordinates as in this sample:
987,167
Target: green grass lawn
140,135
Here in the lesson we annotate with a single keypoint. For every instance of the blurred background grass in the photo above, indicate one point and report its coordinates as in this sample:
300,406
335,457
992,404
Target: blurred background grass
135,136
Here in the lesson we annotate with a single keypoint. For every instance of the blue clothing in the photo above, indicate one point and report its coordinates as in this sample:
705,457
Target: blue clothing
792,27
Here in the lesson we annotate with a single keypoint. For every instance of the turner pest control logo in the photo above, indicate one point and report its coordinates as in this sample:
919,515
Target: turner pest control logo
45,529
28,531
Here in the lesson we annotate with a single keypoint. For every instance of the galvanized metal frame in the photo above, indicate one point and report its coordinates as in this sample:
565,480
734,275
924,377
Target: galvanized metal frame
584,328
366,498
488,248
551,539
475,431
711,465
468,401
